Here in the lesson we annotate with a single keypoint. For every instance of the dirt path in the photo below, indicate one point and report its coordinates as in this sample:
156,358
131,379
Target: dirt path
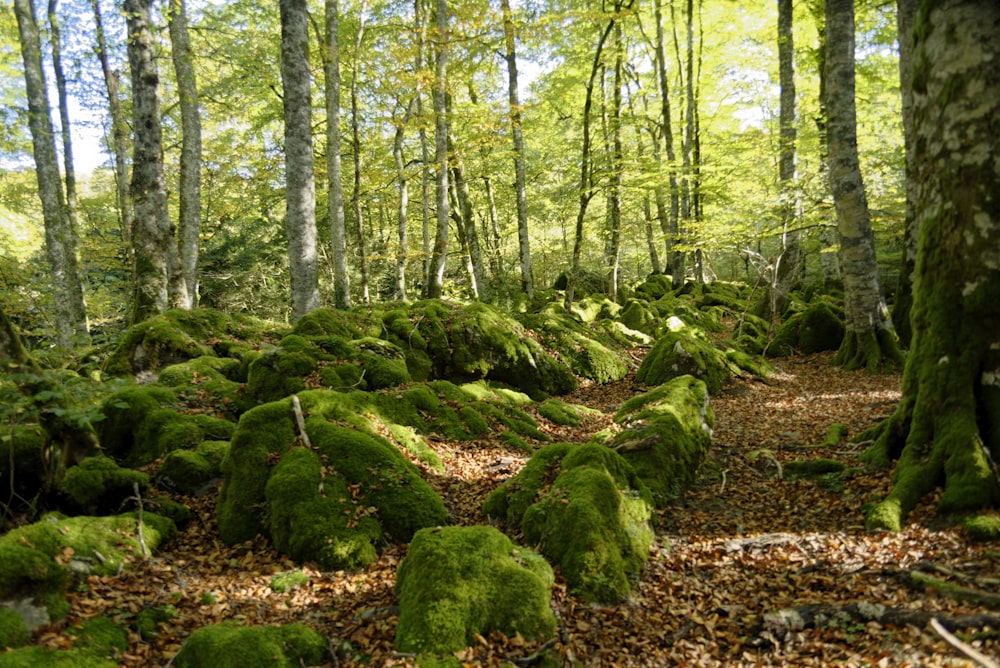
741,543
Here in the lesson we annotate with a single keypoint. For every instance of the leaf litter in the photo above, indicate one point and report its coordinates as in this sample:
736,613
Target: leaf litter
744,542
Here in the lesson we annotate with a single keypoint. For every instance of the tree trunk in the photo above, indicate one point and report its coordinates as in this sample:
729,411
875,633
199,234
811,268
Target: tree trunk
439,255
335,186
946,429
300,187
617,168
869,341
356,149
189,216
119,131
905,17
671,222
59,243
520,190
402,185
154,248
494,243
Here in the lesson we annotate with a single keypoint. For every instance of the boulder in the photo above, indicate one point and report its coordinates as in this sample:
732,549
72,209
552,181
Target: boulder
231,645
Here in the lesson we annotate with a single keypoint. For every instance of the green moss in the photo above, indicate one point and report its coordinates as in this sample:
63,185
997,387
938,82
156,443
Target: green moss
665,435
313,517
230,645
639,316
147,623
459,582
99,485
982,528
278,374
282,583
164,506
683,351
383,363
124,411
29,474
163,430
655,287
509,502
214,428
835,433
559,412
100,635
186,471
812,468
584,349
13,632
35,655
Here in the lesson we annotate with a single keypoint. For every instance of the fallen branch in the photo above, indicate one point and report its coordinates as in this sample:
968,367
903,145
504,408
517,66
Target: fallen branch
142,541
300,421
965,649
923,581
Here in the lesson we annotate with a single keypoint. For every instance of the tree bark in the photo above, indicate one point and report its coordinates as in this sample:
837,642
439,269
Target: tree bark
869,341
617,167
439,255
517,138
300,186
946,429
59,240
356,149
905,17
669,222
335,186
403,202
189,214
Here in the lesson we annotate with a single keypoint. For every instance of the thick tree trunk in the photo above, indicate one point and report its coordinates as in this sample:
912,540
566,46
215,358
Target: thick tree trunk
946,430
335,186
300,186
906,11
869,341
439,255
189,215
59,242
356,150
520,190
119,131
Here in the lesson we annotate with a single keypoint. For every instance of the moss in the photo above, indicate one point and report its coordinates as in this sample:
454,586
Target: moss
13,632
278,374
409,440
383,363
147,623
162,430
559,412
164,506
230,645
835,433
186,471
510,501
655,287
313,517
36,655
124,411
282,583
214,453
584,349
982,528
812,468
457,583
682,351
29,474
346,324
214,428
98,485
665,435
100,635
639,316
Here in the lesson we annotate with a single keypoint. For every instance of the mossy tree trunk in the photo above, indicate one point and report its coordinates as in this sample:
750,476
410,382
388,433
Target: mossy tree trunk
870,341
947,427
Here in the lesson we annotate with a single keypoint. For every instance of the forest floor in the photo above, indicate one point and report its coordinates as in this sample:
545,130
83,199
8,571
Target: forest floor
744,541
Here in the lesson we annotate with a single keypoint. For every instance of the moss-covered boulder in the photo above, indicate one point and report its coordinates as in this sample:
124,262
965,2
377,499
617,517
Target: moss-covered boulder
13,632
813,330
457,583
588,512
665,435
36,655
29,474
637,315
191,471
379,479
212,381
585,349
684,350
231,645
98,486
654,287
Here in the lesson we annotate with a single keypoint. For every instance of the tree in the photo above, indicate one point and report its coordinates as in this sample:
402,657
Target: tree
60,245
335,187
356,151
189,215
439,257
869,341
517,138
156,264
669,222
946,429
300,186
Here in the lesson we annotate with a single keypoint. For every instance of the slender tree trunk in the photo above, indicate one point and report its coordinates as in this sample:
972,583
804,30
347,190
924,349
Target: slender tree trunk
335,185
420,21
905,18
74,281
119,131
403,187
439,256
495,243
57,234
946,429
356,148
586,182
520,189
300,187
687,143
189,228
870,341
617,167
671,223
154,247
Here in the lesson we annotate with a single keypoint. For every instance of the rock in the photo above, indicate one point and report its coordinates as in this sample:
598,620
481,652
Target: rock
230,645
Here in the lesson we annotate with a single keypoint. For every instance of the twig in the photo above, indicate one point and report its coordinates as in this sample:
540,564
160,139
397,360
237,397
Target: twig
300,420
142,541
962,647
722,487
531,659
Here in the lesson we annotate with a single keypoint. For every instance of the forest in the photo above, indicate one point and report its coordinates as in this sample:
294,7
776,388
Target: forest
473,333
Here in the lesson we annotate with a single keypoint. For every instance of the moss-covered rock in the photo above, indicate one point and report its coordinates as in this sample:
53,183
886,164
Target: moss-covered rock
282,583
812,468
124,411
230,645
13,632
665,434
982,528
637,315
213,380
189,471
459,582
367,462
683,350
37,655
593,518
29,474
100,635
98,485
813,330
149,620
279,373
586,350
654,287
